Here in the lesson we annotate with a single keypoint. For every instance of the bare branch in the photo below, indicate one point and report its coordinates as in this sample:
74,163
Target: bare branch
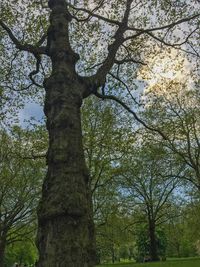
92,14
126,86
99,78
42,40
168,26
36,50
112,97
128,60
175,45
34,157
36,71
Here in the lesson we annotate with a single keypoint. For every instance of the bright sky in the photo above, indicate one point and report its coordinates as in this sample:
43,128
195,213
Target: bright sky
30,110
167,66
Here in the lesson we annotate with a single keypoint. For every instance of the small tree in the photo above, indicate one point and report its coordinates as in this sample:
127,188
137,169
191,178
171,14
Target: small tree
148,181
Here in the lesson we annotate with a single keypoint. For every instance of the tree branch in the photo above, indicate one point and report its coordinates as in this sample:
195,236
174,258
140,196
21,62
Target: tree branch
98,79
112,97
36,71
36,50
168,26
92,14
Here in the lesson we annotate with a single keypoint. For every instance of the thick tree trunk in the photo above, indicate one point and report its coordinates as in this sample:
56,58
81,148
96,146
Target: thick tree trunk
2,252
66,230
153,243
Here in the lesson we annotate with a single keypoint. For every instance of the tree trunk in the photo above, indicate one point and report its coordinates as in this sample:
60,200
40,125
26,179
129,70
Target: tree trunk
113,254
65,225
177,245
2,252
153,243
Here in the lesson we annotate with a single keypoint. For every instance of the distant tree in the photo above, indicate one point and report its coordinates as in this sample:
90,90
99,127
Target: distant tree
182,232
104,136
143,243
172,107
20,180
114,240
103,133
148,180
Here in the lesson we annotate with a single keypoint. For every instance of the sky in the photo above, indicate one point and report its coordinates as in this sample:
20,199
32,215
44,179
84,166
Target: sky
31,110
159,66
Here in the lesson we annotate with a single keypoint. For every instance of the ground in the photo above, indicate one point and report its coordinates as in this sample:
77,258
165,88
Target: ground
187,262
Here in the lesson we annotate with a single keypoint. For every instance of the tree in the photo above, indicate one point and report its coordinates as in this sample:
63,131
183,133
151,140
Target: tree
66,230
20,180
143,243
103,133
114,240
23,252
177,101
148,181
182,232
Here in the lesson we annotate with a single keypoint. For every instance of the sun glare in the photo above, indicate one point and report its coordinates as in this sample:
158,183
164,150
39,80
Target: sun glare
165,67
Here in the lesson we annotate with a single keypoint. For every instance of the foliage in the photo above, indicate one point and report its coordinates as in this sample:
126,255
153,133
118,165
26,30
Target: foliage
172,107
20,178
182,232
23,252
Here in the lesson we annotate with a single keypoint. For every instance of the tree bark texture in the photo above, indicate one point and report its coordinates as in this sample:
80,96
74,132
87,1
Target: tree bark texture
66,230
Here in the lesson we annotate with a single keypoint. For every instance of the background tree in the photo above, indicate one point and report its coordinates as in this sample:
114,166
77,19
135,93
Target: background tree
114,240
103,132
182,239
20,179
148,181
172,106
104,136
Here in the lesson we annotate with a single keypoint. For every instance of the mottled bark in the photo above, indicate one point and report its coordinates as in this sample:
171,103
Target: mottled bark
66,231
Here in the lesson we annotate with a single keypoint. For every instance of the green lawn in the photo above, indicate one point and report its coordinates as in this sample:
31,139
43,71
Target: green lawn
190,262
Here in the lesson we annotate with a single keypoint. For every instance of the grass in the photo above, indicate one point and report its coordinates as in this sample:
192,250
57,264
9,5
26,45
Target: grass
184,262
